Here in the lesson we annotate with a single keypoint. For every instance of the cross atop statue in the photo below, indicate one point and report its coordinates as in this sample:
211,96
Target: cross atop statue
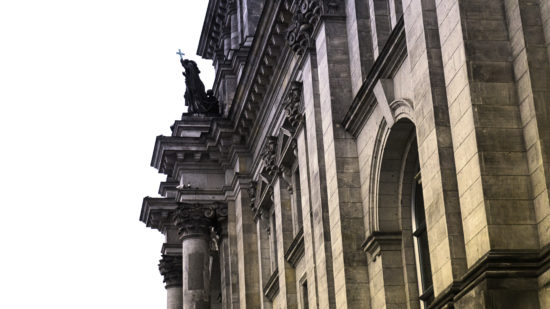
196,98
180,53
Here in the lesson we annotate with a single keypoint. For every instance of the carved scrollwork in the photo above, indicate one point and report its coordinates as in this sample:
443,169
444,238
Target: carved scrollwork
252,194
170,269
198,219
269,155
306,16
293,104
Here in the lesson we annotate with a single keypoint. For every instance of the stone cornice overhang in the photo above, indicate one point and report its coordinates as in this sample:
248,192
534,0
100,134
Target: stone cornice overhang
198,124
387,63
169,149
238,183
200,196
156,212
496,264
216,135
271,288
167,186
296,249
230,65
211,29
264,53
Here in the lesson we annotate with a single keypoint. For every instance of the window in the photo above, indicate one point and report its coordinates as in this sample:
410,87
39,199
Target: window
422,251
305,301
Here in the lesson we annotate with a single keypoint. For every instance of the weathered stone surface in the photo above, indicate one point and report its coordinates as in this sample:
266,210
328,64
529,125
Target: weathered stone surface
403,129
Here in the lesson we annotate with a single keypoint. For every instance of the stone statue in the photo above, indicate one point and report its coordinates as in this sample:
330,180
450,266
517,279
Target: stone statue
197,99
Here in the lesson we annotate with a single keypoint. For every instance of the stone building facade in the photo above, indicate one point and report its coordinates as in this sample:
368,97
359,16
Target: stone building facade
366,154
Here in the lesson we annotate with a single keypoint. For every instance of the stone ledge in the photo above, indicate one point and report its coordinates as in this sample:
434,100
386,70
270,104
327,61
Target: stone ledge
378,241
296,249
271,288
503,265
391,57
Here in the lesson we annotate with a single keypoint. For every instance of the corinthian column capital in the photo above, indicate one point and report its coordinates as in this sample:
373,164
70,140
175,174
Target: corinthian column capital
170,269
196,220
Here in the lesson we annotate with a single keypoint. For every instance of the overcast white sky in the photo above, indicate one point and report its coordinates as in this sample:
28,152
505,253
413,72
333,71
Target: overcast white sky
85,86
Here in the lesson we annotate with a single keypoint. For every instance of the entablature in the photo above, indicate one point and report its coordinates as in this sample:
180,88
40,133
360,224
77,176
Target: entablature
156,212
168,188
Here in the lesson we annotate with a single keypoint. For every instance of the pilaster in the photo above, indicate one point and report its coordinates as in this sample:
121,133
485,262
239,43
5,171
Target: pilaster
342,166
435,145
387,288
313,155
486,124
360,41
247,247
284,236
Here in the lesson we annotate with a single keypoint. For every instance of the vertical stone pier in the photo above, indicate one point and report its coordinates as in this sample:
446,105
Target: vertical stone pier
195,223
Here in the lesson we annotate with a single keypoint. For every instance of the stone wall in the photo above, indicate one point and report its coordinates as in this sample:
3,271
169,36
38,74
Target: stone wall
369,100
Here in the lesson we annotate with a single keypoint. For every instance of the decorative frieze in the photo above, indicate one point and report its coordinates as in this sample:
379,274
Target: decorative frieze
170,269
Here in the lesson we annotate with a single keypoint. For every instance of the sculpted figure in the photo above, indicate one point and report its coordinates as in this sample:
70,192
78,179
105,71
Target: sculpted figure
197,99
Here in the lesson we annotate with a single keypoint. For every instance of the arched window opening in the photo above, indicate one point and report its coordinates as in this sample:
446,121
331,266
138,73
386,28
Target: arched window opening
421,248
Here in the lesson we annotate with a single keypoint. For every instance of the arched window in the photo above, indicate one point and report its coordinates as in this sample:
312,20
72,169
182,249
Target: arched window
421,249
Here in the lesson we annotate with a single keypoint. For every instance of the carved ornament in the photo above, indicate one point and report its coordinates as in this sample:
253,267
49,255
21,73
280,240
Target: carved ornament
306,16
198,219
269,155
293,104
170,269
252,193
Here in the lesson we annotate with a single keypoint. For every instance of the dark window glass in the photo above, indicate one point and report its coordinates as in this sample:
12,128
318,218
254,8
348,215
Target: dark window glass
422,249
305,300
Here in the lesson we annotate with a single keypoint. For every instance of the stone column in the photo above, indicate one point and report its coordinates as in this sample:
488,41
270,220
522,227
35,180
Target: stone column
195,223
170,269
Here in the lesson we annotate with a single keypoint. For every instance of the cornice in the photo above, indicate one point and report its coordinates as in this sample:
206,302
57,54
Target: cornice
211,28
496,264
156,212
271,288
238,182
296,249
170,149
166,187
389,60
264,55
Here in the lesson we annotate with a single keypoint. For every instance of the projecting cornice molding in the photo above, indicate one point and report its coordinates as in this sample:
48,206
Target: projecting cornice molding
170,149
156,212
391,57
212,28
